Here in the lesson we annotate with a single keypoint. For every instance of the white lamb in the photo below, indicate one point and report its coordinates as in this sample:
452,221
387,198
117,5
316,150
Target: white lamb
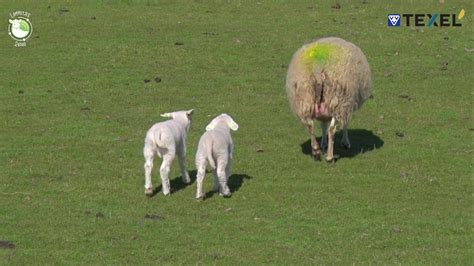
166,139
215,147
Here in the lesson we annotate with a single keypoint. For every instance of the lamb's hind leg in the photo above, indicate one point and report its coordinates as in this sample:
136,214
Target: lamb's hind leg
331,133
164,173
182,166
345,138
149,154
315,149
224,190
201,172
324,137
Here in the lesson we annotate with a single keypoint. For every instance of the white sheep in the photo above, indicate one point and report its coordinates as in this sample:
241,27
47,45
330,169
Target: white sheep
166,139
327,80
215,147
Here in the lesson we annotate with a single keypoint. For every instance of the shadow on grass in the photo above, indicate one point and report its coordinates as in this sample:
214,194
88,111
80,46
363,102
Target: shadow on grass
234,183
362,141
177,183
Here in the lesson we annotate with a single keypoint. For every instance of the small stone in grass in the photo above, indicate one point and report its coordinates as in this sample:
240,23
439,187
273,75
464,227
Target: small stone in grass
5,244
400,134
444,66
404,96
146,80
99,215
153,217
158,79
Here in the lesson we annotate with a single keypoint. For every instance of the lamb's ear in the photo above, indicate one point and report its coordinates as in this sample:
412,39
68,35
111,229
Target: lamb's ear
167,115
190,112
211,125
11,21
232,125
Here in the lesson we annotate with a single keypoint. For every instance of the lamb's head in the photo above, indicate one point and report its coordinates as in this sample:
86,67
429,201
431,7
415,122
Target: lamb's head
223,119
184,117
15,23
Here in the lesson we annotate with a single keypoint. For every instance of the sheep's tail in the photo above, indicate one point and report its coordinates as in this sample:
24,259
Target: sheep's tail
159,139
210,159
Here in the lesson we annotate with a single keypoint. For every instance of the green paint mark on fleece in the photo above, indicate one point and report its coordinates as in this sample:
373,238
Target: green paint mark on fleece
320,53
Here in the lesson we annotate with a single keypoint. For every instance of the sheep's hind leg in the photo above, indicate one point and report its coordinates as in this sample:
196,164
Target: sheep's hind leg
216,180
345,138
331,133
201,172
315,149
149,155
324,136
182,167
224,190
164,173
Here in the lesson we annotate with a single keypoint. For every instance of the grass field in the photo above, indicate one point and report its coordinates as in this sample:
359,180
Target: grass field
74,110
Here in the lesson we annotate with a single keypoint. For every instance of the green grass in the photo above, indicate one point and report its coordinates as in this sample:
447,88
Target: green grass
74,111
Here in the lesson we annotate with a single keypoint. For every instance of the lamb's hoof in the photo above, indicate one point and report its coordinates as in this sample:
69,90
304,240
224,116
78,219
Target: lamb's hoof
200,199
225,195
346,146
317,155
187,181
330,159
167,194
149,192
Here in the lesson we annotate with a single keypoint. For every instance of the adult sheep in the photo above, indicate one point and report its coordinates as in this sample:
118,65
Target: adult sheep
327,80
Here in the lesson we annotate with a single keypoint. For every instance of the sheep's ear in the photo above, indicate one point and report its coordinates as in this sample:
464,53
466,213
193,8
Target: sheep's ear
232,125
11,21
167,115
190,112
211,125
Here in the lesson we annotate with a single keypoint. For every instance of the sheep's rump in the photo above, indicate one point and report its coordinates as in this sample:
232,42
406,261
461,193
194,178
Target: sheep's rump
329,71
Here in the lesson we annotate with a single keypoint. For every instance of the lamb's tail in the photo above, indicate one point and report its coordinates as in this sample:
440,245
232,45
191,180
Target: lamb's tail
159,141
210,159
158,138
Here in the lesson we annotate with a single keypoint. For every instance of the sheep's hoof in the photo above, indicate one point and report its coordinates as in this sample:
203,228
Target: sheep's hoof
166,194
226,195
346,145
200,199
317,155
186,179
148,192
330,159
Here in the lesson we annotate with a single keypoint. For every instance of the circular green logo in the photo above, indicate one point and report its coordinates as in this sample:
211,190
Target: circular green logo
20,28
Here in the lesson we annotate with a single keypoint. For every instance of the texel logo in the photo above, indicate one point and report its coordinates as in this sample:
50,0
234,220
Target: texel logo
19,27
394,20
428,20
